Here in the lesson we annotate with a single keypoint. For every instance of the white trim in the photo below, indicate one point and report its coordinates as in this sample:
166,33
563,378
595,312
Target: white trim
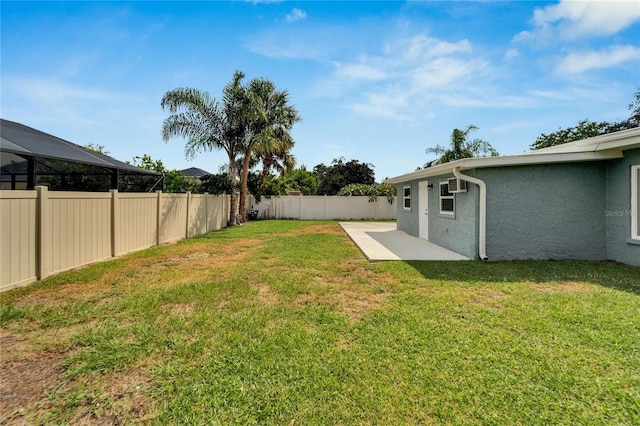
635,202
406,197
511,160
599,148
441,197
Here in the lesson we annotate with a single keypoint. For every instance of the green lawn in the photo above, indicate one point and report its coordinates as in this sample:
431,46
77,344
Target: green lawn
285,322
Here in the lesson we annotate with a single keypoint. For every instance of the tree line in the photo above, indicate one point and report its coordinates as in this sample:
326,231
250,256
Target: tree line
341,177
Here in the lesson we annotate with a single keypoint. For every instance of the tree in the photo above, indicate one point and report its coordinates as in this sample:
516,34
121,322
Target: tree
301,180
340,174
583,130
97,148
371,191
173,181
272,185
269,118
275,158
216,184
209,125
461,147
588,129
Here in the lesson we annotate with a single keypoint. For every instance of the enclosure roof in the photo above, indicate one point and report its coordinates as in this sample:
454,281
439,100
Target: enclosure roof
194,171
23,140
604,147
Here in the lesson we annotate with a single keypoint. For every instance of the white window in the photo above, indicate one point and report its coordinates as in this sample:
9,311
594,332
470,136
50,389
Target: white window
406,197
447,200
635,202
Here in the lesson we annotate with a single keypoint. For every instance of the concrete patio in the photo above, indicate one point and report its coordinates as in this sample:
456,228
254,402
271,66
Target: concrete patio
382,241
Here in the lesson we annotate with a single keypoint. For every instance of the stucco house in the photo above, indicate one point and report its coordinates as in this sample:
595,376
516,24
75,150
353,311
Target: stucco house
579,200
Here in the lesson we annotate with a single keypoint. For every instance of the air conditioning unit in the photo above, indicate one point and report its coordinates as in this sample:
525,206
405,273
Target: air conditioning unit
457,185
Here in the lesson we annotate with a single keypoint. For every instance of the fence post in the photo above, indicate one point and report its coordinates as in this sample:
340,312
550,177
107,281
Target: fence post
115,222
206,212
324,208
43,233
186,230
158,217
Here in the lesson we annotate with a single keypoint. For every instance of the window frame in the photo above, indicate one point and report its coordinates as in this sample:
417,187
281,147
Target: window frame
451,196
635,202
406,197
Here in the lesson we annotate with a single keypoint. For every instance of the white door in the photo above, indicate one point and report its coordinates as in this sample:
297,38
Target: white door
423,209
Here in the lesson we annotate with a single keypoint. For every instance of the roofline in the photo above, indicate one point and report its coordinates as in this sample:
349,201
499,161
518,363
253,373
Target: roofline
622,139
506,161
100,160
604,147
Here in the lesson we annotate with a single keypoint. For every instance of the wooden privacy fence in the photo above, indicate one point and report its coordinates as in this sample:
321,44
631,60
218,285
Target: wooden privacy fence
324,208
45,232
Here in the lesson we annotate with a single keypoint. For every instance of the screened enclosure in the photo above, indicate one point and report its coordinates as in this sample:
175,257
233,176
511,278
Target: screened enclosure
29,158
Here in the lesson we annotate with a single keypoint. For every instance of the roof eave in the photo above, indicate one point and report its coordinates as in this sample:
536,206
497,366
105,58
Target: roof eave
507,161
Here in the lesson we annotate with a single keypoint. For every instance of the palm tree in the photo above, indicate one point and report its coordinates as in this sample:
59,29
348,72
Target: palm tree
270,119
209,125
461,147
276,158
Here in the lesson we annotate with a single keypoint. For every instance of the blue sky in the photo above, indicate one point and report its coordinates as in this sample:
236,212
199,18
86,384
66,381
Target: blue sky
373,81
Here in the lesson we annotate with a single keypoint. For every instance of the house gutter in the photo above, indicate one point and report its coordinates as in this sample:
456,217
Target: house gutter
482,231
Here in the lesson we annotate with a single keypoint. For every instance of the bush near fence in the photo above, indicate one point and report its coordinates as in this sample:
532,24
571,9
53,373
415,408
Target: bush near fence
46,232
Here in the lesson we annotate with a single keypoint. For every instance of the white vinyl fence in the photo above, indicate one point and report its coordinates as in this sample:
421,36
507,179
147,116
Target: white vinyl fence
324,208
46,232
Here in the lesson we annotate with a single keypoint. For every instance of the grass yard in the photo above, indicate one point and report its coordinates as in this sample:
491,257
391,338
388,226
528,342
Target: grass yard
286,323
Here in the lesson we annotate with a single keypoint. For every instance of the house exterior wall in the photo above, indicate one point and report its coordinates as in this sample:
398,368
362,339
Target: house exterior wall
552,211
617,211
407,220
458,233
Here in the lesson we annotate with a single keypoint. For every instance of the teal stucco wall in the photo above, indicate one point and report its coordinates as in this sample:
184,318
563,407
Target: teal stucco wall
407,220
551,211
559,211
617,210
458,233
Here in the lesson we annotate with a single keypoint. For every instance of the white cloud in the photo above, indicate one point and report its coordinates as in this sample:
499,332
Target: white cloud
572,19
441,73
263,1
580,62
360,72
45,91
422,47
511,54
401,78
60,101
296,15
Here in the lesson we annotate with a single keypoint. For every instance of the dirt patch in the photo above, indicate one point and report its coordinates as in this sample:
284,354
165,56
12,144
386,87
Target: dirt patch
562,287
353,300
329,228
180,309
187,263
488,298
356,304
124,398
24,384
62,294
266,295
11,345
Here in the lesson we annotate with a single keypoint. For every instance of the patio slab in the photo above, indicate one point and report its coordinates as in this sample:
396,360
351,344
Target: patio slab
383,241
